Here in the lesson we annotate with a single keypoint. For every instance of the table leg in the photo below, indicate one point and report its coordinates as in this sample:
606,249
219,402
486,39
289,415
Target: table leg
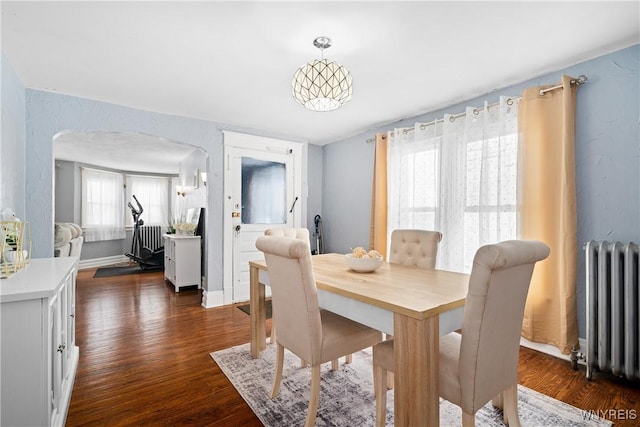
416,357
257,313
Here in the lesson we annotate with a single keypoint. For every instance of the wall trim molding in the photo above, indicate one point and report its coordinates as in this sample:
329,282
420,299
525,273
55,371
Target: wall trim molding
212,299
552,350
101,262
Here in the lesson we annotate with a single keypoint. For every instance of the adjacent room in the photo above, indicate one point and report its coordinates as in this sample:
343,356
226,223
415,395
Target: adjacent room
320,213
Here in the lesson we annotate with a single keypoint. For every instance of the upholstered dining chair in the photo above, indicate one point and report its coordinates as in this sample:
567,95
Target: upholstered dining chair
294,233
481,364
415,248
314,335
418,248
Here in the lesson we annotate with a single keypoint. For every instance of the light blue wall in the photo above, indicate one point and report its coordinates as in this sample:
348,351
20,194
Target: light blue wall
47,114
607,160
12,144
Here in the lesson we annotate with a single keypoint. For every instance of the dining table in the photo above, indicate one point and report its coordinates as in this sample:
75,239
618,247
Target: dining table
415,305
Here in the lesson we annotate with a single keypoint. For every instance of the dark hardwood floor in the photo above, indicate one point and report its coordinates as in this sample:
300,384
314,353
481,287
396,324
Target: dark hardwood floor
144,361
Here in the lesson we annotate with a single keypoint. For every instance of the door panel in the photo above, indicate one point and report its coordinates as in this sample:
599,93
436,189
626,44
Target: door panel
257,201
263,193
244,251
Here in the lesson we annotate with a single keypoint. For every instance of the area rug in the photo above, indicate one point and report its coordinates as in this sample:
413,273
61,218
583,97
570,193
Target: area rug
121,271
267,308
347,399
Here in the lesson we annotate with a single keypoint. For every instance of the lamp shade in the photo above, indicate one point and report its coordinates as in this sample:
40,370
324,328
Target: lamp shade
322,85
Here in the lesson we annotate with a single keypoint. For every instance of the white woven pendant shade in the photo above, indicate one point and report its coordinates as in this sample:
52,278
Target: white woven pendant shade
322,85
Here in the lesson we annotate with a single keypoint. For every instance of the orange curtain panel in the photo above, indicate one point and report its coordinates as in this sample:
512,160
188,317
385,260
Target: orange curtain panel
378,235
546,124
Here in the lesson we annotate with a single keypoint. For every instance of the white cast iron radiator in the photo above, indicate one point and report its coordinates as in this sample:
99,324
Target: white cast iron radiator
151,236
612,317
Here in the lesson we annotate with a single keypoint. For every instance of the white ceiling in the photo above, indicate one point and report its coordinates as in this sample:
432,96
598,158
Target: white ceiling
232,62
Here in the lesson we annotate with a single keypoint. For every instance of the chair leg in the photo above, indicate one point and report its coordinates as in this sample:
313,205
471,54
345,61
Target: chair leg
379,382
348,358
334,365
510,396
278,377
313,397
468,420
497,402
390,374
272,338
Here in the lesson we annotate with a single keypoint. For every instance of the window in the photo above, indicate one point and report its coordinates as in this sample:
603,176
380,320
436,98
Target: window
457,176
264,192
102,205
153,194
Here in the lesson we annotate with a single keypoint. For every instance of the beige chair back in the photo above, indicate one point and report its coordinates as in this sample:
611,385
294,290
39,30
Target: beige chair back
417,248
294,233
294,295
493,314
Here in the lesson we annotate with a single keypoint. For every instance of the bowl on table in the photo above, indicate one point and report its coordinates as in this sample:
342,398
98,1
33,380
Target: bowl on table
363,265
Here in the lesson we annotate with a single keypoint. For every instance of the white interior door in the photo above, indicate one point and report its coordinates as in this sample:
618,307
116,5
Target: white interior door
255,199
263,197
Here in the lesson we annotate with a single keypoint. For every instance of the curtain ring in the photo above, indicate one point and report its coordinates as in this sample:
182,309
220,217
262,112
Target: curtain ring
509,101
476,112
452,119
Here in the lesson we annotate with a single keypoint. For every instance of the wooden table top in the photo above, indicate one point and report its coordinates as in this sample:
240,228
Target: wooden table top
411,291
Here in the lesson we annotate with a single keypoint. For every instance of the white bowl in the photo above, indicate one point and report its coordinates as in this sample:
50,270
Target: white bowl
363,265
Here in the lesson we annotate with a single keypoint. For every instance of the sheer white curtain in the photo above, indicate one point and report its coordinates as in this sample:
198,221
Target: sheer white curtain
153,194
458,176
102,205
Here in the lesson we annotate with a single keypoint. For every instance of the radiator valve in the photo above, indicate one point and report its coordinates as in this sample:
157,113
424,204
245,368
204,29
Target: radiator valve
575,356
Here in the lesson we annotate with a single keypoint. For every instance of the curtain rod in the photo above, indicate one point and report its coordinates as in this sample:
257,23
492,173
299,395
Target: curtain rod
452,118
582,79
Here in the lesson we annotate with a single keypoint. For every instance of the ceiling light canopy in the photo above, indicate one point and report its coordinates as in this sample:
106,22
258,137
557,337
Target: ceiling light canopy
322,85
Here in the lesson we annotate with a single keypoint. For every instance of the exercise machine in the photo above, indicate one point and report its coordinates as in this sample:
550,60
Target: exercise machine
146,257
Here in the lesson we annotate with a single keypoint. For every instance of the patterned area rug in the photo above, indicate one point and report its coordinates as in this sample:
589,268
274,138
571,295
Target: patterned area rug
346,395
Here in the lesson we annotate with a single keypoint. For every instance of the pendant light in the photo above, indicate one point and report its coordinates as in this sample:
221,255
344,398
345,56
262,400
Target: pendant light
322,85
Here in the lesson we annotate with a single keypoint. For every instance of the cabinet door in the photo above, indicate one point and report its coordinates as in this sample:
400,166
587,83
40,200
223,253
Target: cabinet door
71,312
170,263
63,304
55,370
187,262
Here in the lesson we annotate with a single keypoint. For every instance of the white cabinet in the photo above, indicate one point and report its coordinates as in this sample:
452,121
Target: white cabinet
182,260
39,356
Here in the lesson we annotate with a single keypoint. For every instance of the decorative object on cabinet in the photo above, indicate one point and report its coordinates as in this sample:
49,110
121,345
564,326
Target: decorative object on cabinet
182,260
15,246
189,222
39,356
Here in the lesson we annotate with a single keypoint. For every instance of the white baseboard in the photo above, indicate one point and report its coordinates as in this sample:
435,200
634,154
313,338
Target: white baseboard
212,299
551,350
100,262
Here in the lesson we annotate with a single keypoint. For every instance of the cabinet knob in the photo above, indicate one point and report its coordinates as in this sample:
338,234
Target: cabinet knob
61,348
